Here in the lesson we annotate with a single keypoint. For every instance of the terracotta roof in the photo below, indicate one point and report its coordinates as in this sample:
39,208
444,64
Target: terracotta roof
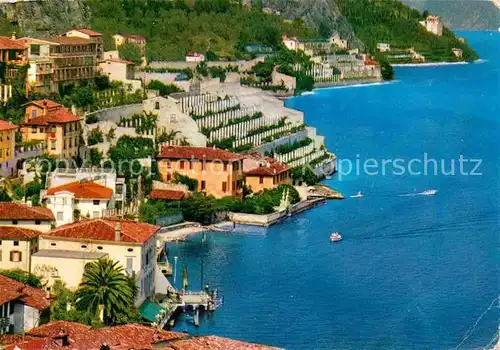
133,36
45,102
5,125
87,31
13,290
55,116
194,54
129,336
179,152
117,60
15,232
212,343
167,194
271,168
17,211
83,190
7,43
56,328
104,230
30,343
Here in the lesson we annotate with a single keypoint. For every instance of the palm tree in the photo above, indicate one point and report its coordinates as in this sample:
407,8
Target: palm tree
105,283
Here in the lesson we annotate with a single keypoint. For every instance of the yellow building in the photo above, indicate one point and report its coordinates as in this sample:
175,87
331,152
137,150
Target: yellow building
218,172
137,40
20,226
48,121
262,173
7,144
61,60
65,251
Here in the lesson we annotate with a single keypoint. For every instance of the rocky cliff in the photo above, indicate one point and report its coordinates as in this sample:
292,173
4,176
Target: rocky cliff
321,14
45,17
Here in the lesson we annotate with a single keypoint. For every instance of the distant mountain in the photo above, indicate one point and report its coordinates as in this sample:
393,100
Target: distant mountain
462,14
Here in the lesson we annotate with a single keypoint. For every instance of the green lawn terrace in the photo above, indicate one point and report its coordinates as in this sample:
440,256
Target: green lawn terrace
242,119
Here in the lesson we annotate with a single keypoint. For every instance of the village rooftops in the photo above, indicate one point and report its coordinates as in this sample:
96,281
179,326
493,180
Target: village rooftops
16,211
130,336
83,190
79,336
11,290
199,153
18,233
7,43
105,230
5,126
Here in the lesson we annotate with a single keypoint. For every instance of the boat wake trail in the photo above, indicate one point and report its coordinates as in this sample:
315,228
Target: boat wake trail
424,193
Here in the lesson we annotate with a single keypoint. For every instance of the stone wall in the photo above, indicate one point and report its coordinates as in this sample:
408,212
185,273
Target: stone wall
257,220
113,114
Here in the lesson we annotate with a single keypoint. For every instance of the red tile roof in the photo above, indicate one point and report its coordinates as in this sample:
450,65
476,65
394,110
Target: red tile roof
207,153
15,232
56,328
167,194
54,116
5,125
104,230
194,54
30,343
47,102
17,211
83,190
212,343
129,336
87,31
13,290
125,337
271,168
7,43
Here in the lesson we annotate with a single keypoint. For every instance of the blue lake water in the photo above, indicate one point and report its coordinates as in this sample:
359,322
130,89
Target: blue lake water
412,272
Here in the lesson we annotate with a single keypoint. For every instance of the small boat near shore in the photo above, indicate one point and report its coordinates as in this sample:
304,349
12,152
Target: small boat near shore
335,237
358,195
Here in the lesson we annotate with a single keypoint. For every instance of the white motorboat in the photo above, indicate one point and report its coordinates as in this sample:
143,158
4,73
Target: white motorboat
335,237
358,195
429,193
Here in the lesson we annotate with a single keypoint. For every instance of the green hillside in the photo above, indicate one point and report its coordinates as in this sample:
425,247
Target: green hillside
393,22
174,28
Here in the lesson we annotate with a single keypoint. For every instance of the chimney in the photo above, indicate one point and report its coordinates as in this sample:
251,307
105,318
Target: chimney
45,107
13,36
118,231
